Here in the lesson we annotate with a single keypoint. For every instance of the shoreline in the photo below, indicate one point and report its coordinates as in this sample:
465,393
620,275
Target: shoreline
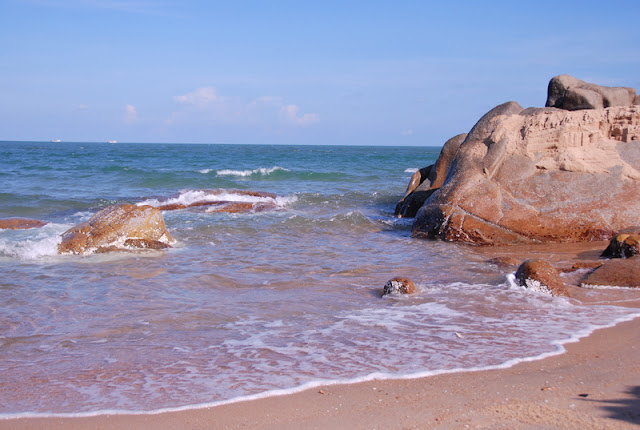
547,392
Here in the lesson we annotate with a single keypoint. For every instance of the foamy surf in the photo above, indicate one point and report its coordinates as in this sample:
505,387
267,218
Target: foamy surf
263,171
32,244
558,349
194,197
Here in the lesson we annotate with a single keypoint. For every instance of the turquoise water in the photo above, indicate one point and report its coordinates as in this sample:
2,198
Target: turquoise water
244,304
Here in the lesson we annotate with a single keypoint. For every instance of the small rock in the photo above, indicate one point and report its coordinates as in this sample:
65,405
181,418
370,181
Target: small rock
399,285
623,245
541,276
586,265
146,243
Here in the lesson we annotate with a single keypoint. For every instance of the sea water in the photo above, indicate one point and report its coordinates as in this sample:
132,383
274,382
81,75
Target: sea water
246,304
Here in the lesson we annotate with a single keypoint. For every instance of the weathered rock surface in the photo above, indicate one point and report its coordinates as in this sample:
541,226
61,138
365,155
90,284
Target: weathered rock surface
20,223
541,276
567,92
616,273
539,175
118,226
623,245
427,180
399,285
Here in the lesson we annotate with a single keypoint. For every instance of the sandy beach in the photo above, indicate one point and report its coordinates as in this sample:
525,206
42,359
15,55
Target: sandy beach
594,385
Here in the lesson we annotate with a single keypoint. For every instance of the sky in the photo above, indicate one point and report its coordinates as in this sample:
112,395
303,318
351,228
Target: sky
295,72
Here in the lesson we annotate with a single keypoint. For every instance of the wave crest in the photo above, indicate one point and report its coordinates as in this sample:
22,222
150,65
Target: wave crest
262,171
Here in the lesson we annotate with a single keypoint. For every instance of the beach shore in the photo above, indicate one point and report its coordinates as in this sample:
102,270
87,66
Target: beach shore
594,385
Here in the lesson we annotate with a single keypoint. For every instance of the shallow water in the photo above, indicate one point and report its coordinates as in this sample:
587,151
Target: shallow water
245,303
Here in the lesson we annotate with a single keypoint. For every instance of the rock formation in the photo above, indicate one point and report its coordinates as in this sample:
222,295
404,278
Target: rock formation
117,227
567,92
541,276
399,285
20,223
537,175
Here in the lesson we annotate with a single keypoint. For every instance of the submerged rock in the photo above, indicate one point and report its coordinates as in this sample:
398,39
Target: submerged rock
118,226
616,273
399,285
504,261
240,207
20,223
216,200
541,276
623,245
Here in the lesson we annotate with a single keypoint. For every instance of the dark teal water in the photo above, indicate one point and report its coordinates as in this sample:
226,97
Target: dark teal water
247,303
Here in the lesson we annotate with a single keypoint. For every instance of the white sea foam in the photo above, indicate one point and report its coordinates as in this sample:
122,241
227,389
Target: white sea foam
243,173
411,170
190,197
32,244
205,171
558,348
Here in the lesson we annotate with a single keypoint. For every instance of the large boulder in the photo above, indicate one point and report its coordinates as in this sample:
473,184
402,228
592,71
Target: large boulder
567,92
117,227
540,175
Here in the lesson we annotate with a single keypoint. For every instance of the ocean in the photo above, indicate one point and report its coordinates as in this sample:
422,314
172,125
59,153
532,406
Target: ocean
250,304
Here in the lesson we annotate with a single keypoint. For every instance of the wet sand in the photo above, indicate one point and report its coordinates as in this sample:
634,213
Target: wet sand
594,385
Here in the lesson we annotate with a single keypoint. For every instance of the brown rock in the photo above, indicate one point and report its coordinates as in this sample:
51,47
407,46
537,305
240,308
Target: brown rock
238,207
541,276
539,175
586,265
225,205
172,207
616,273
425,181
112,226
20,223
567,92
623,245
399,285
146,244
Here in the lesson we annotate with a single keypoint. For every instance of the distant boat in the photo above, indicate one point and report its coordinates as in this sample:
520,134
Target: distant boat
56,140
112,141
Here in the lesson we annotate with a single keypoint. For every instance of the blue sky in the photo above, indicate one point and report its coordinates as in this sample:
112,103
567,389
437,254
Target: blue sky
294,72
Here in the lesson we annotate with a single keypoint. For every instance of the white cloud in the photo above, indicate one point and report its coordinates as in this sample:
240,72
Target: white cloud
130,114
204,105
407,132
200,97
290,112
